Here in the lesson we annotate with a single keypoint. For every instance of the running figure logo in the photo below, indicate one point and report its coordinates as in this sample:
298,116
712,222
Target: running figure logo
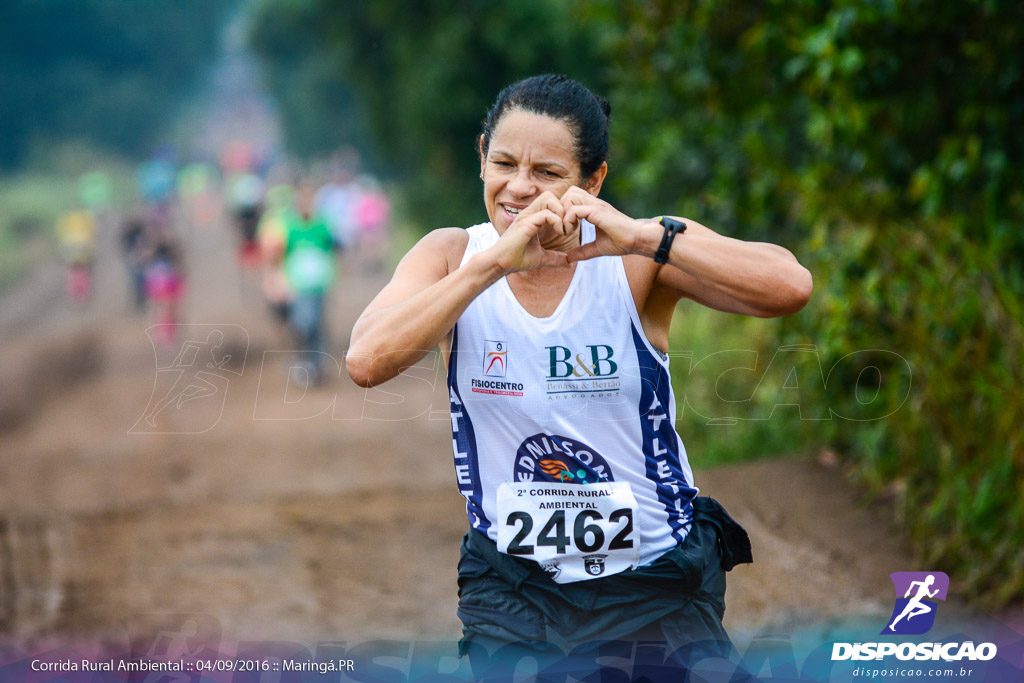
495,358
189,393
914,613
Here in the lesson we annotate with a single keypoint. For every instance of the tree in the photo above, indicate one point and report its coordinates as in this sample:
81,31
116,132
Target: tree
87,69
423,75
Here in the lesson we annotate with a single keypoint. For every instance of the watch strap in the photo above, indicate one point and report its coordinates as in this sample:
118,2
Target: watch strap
672,228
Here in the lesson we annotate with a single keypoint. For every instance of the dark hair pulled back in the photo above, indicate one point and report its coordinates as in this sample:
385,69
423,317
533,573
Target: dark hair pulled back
562,98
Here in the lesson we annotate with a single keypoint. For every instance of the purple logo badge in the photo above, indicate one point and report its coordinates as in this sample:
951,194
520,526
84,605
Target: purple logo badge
916,593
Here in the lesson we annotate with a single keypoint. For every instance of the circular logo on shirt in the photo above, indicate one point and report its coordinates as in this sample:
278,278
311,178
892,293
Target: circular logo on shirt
550,457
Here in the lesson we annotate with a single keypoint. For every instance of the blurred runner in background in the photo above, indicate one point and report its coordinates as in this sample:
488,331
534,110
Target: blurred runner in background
272,237
309,264
156,182
336,200
165,286
245,197
135,248
95,191
76,233
197,183
372,215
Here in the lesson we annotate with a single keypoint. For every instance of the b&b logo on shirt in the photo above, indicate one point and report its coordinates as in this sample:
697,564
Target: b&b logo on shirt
577,374
495,358
563,363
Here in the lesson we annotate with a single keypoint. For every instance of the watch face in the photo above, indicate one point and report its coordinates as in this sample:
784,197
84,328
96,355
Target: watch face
672,224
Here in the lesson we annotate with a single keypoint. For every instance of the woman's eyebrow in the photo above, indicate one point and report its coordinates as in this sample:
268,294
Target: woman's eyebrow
548,164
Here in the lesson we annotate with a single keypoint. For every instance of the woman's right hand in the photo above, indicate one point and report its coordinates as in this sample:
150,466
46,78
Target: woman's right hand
520,247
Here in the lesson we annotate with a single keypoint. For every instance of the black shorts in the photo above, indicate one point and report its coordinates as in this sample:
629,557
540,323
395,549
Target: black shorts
507,603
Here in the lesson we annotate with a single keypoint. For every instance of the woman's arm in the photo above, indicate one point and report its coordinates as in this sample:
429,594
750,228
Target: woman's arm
429,291
417,309
753,278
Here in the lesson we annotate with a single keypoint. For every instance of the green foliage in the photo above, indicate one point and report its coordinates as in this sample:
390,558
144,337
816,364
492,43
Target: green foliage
879,140
884,137
705,122
300,69
30,204
29,207
917,146
741,390
104,70
952,449
424,74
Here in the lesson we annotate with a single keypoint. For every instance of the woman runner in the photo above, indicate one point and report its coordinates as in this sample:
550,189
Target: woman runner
553,317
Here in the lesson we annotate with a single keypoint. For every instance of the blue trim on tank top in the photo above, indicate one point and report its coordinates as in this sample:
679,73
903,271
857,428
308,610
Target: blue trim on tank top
465,441
655,384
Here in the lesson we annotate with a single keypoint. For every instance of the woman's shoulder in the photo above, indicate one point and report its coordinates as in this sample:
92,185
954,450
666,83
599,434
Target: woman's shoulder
446,239
448,244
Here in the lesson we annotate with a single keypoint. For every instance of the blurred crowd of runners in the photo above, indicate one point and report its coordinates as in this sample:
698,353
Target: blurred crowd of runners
289,223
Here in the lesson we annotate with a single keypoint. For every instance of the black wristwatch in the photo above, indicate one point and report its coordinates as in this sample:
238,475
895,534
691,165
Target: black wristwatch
672,228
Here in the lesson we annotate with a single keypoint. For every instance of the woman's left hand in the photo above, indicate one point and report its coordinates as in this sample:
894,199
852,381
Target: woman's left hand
617,233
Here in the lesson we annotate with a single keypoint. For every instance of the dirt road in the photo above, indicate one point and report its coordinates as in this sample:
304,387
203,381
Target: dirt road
273,514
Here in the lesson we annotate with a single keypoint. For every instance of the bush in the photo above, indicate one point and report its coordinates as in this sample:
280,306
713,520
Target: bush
952,451
881,143
742,386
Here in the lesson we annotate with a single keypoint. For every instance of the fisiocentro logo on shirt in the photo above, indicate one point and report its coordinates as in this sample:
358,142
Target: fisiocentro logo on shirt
914,614
587,373
550,457
495,358
496,365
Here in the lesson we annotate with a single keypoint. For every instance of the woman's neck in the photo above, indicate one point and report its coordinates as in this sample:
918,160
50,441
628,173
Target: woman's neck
542,277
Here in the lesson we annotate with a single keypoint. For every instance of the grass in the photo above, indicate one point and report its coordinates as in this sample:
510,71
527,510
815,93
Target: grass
743,391
29,207
32,200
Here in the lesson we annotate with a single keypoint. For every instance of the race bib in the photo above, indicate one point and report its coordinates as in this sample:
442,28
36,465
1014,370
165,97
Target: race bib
575,532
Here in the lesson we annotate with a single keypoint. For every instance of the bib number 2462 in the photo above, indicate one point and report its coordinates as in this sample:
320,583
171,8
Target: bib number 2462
587,534
576,532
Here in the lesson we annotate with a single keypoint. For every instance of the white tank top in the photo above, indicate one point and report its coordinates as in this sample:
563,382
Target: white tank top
562,427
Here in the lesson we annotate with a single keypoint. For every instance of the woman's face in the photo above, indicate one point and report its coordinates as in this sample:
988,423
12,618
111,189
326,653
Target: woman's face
529,154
